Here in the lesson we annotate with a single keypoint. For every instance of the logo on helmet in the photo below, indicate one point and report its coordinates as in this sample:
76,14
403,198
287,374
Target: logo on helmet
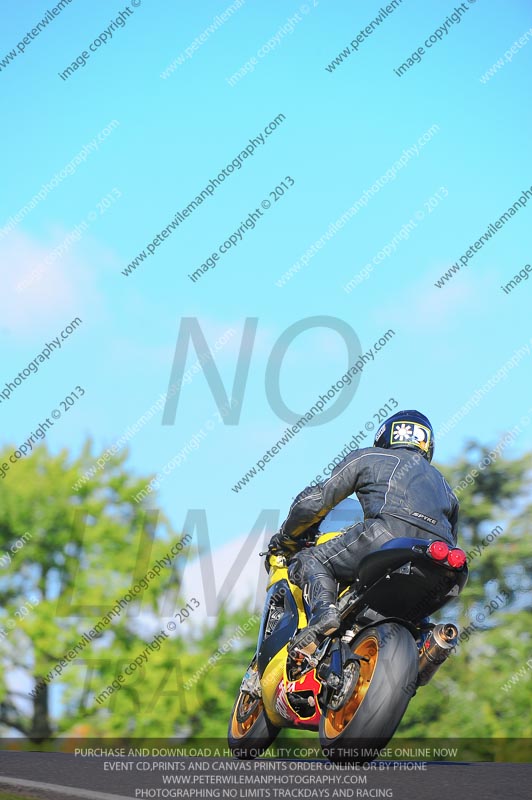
403,432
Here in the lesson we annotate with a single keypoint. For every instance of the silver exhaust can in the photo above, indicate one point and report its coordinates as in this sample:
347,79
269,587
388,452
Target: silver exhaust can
437,648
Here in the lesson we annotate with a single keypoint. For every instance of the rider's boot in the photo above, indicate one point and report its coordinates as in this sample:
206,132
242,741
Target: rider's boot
320,593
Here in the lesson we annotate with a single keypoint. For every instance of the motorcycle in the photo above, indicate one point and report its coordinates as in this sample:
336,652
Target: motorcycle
355,688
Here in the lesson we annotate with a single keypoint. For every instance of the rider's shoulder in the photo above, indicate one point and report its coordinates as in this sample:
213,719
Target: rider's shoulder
362,452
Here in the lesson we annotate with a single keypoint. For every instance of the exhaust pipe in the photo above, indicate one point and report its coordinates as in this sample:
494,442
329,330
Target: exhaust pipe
438,647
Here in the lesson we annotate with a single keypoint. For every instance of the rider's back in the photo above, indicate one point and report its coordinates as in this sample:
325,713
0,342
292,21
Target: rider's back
402,490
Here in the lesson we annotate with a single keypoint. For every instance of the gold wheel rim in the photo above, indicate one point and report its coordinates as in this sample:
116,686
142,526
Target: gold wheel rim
240,728
244,708
336,721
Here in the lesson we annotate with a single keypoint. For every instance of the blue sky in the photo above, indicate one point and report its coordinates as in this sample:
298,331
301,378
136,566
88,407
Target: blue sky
342,130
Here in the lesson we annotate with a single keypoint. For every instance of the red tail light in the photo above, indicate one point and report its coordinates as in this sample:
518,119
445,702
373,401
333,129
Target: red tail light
456,558
438,551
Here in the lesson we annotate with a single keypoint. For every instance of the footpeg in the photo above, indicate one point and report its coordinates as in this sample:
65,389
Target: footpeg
302,662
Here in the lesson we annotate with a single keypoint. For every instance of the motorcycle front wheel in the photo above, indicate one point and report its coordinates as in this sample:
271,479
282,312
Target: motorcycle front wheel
250,731
377,698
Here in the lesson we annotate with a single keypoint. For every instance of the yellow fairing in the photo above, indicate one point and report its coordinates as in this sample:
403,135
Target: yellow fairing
279,571
326,536
269,682
276,669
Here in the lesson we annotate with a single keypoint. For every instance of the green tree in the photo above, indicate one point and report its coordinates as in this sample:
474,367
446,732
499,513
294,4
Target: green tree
72,555
216,663
75,550
468,697
495,495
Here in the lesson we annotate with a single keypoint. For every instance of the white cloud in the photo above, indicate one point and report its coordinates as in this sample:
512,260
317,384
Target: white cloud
35,293
242,577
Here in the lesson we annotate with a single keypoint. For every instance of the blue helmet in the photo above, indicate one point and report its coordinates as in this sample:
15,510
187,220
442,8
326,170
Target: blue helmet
407,429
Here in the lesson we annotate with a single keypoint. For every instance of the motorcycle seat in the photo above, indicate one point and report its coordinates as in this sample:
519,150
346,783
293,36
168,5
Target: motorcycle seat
389,557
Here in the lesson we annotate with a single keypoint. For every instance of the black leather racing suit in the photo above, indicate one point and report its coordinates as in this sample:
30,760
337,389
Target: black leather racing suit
401,494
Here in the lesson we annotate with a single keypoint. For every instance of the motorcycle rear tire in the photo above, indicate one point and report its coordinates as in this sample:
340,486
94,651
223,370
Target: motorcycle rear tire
369,716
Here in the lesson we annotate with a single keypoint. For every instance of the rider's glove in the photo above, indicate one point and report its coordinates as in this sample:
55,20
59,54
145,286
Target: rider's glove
280,545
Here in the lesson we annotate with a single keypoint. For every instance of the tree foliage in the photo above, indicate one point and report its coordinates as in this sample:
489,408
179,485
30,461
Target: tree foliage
468,696
73,554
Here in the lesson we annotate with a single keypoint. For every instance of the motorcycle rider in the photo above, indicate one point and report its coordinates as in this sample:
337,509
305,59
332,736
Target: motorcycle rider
401,494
